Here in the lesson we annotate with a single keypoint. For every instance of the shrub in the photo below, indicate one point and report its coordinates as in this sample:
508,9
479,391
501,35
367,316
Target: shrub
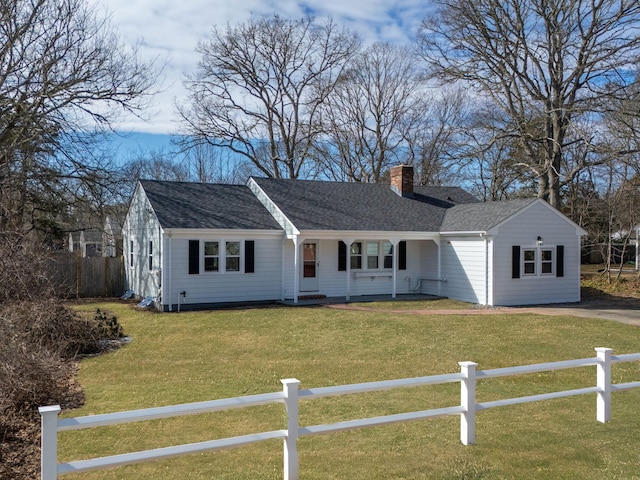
51,325
40,340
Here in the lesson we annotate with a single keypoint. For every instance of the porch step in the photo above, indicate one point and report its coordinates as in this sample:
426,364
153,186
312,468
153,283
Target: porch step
311,297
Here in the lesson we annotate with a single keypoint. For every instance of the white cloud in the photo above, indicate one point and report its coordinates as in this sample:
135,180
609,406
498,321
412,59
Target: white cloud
169,30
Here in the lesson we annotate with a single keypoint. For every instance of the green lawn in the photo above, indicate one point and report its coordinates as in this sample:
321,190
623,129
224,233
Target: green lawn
188,357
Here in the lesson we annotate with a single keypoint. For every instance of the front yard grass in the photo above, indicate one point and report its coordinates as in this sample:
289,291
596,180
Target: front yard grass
188,357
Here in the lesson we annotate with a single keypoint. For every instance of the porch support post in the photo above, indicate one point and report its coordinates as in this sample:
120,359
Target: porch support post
296,269
439,282
394,270
348,242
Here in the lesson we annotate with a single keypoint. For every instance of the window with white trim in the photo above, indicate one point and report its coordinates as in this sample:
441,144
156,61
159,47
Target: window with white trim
374,255
546,261
538,261
387,252
356,256
150,255
373,249
529,261
232,256
211,256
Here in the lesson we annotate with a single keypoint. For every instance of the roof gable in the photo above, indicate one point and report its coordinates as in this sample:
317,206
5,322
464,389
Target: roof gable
207,206
486,216
319,205
483,216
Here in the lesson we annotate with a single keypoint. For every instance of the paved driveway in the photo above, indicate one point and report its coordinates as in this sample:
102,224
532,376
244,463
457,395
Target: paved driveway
621,312
625,312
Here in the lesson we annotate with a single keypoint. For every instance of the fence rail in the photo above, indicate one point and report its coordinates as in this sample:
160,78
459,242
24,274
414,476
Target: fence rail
291,395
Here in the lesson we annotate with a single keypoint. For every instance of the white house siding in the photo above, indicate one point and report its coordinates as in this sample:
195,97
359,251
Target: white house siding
463,267
429,283
523,230
288,269
141,227
205,288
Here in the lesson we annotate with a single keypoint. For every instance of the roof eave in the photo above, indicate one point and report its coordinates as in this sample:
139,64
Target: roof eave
239,232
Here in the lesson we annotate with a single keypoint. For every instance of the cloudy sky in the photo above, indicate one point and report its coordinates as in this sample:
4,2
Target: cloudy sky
169,30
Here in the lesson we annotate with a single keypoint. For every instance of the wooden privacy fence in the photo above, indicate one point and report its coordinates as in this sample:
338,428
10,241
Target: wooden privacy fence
291,395
80,277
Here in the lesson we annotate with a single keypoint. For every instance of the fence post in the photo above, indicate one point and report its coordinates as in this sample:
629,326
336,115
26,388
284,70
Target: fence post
290,388
49,442
603,382
468,402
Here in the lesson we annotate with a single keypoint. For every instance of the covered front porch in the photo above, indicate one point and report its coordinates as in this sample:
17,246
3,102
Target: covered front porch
347,265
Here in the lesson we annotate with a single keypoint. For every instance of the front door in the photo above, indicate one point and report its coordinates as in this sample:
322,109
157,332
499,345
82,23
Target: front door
309,281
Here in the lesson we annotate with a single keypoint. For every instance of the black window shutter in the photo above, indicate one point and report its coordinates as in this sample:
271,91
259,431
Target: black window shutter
342,256
402,255
515,261
249,256
194,257
560,261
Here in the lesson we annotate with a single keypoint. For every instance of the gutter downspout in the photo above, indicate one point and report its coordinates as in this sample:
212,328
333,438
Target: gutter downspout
283,268
166,272
486,268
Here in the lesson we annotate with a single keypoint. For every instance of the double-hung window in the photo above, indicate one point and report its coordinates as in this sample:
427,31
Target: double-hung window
356,256
211,256
372,255
387,252
219,256
546,261
538,261
529,261
232,256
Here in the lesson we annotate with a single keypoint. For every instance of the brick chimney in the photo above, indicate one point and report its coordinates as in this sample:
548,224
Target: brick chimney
402,180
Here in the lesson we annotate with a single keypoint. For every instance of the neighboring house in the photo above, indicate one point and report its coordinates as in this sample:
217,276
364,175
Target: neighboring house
86,243
98,242
193,245
112,237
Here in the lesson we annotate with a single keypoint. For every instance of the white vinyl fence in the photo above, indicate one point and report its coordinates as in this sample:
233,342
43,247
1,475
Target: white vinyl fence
291,395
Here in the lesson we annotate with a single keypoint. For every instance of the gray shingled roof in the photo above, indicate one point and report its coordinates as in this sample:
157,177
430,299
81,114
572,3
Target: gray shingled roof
480,217
318,205
206,205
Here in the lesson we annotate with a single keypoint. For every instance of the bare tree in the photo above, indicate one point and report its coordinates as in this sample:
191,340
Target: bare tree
259,86
63,73
546,63
490,164
208,164
436,137
368,117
